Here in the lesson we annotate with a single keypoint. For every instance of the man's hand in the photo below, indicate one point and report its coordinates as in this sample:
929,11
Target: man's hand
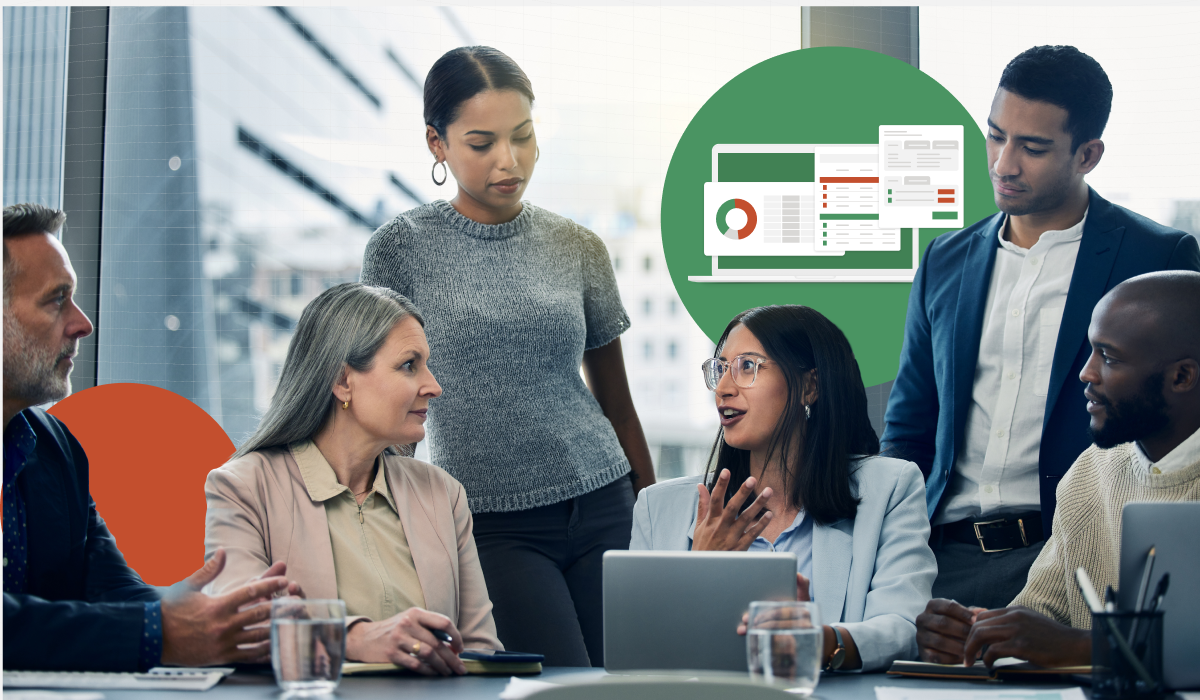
719,527
942,631
1025,634
406,640
201,630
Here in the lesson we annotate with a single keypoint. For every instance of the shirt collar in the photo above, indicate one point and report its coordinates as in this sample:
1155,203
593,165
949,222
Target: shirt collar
321,481
1049,238
1185,454
19,442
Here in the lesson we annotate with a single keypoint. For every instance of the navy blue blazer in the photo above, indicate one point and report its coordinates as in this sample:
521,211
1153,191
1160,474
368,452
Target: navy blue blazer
80,611
927,412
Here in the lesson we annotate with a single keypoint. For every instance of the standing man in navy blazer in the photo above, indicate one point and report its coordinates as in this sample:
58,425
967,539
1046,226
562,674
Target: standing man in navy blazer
987,400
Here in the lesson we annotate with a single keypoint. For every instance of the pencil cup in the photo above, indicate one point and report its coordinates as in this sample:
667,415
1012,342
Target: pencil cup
1127,655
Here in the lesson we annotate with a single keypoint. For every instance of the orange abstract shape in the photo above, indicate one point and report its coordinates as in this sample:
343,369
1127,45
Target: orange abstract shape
149,451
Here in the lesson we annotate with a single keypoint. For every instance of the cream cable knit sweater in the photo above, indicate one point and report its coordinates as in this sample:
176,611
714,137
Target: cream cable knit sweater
1087,524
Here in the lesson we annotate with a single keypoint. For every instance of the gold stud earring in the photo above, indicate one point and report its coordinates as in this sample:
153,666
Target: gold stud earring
345,405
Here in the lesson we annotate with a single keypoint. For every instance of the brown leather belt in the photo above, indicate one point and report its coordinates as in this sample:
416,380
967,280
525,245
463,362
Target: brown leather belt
998,535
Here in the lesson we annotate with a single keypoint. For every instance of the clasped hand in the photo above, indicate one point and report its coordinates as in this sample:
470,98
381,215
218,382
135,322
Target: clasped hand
719,525
407,640
949,633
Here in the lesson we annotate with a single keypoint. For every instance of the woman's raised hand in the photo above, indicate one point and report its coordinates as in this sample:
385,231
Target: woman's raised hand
719,526
407,640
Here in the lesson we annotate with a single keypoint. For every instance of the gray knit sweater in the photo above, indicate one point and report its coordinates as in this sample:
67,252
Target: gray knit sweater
509,311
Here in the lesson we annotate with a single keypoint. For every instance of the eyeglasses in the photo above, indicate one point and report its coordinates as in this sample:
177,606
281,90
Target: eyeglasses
744,368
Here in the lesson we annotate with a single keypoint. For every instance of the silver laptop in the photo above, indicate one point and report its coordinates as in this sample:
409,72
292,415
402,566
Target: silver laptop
1171,528
680,610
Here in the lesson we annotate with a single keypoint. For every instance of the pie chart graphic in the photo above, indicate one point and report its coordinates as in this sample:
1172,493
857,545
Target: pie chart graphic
736,233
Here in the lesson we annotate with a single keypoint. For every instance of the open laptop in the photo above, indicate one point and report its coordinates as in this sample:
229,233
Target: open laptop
807,213
680,610
1170,528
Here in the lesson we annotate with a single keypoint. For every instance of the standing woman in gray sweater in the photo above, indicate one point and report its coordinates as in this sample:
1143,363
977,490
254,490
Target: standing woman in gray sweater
517,299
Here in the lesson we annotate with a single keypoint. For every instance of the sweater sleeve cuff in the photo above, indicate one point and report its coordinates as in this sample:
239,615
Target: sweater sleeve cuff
151,643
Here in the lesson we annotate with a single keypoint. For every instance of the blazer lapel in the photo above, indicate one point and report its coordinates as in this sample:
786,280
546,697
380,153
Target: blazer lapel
968,321
1089,281
431,554
832,555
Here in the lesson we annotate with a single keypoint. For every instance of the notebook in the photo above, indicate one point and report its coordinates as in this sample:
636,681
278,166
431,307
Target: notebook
1008,668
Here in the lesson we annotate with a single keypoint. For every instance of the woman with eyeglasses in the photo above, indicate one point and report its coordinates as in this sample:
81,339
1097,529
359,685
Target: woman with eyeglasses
517,299
795,468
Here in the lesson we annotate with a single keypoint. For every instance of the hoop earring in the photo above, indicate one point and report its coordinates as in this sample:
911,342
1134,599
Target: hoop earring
434,170
345,405
537,153
807,412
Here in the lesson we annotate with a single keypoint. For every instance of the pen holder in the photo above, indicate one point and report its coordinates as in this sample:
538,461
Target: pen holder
1127,655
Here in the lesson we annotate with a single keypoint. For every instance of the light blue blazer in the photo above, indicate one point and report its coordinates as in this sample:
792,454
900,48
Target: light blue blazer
872,574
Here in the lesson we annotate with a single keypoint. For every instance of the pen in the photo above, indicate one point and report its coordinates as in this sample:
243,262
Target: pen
1142,589
442,636
1110,600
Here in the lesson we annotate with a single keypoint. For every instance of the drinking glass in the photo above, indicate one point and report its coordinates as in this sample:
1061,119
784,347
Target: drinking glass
784,641
308,644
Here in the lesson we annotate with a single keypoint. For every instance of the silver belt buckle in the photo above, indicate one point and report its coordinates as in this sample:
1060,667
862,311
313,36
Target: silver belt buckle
979,535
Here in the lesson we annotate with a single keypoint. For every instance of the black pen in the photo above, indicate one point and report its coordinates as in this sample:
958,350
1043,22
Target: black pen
443,636
1159,592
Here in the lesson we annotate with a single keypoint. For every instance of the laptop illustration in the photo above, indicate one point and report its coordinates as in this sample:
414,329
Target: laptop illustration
830,212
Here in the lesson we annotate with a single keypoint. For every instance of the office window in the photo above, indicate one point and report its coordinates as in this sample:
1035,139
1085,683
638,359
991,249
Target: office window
672,307
617,263
648,350
672,349
647,306
35,55
648,263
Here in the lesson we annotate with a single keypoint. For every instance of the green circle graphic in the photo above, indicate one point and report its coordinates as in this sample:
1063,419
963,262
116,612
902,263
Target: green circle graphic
814,96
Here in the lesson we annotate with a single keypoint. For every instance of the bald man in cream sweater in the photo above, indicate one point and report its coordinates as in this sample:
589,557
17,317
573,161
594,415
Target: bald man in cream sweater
1143,394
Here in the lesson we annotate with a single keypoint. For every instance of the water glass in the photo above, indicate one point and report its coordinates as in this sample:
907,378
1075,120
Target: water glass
308,644
784,644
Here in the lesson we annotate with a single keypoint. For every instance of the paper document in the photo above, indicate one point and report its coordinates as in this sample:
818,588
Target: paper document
922,171
925,693
848,197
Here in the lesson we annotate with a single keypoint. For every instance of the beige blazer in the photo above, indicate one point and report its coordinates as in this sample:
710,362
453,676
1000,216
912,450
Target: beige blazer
259,510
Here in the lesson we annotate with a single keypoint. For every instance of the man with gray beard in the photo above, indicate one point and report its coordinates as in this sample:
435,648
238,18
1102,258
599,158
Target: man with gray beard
70,600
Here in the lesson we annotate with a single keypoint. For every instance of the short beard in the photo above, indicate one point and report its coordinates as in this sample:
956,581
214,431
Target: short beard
30,370
1044,201
1137,418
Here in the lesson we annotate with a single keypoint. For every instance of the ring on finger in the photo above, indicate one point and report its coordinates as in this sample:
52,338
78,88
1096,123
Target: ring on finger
416,648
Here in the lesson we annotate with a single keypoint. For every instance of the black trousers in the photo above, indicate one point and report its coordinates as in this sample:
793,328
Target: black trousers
975,578
543,570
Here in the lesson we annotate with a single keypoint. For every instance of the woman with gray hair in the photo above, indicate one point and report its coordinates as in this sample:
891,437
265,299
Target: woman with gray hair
319,486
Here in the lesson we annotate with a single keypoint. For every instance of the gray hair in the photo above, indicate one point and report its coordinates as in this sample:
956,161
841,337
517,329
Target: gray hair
343,327
24,220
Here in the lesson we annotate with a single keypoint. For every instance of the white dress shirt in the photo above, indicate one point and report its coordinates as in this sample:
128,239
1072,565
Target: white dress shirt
1185,454
996,473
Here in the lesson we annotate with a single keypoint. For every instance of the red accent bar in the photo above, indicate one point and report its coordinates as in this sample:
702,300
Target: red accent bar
874,180
945,200
945,191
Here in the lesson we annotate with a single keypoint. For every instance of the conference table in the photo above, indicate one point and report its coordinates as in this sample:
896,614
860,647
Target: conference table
261,685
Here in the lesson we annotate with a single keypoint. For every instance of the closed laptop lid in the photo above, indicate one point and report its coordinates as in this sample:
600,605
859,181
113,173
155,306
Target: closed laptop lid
1170,528
680,610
